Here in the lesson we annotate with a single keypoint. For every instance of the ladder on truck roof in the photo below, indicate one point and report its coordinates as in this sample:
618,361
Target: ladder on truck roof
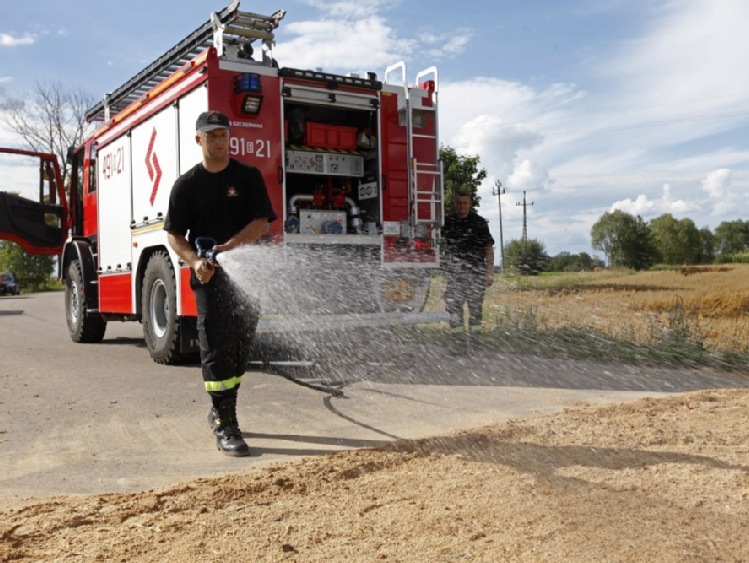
227,27
425,178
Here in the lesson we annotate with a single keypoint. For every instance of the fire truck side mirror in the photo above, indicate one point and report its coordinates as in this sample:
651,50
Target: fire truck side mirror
69,155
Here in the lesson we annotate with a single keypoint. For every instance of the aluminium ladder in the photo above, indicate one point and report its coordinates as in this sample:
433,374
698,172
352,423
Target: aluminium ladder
425,177
227,27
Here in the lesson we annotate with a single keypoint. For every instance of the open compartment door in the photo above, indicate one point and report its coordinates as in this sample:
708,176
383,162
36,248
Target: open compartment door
33,207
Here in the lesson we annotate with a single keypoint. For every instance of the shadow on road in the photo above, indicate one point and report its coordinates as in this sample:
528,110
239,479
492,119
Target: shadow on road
545,460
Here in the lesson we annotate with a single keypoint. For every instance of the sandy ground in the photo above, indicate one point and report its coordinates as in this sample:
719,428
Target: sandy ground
656,480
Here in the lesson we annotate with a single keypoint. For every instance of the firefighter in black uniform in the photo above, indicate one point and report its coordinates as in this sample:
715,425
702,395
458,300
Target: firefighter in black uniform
468,263
227,201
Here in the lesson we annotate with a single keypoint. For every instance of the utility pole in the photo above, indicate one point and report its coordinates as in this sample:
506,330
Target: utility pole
498,190
525,218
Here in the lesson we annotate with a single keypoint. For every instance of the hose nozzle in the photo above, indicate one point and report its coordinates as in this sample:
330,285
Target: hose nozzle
205,246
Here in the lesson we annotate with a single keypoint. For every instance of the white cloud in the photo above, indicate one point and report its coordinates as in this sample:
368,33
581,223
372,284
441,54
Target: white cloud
717,183
640,206
528,176
489,134
676,206
446,45
364,40
360,45
724,200
505,123
7,40
650,208
513,102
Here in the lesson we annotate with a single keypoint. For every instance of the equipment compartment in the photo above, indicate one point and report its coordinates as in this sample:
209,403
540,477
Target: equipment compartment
324,168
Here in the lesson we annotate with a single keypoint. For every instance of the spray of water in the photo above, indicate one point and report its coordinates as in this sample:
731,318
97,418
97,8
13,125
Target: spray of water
308,284
320,292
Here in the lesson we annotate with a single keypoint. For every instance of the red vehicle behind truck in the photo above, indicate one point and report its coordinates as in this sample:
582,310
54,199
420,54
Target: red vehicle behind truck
351,164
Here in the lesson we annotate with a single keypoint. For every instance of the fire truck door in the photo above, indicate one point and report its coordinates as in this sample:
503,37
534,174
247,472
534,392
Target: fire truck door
33,207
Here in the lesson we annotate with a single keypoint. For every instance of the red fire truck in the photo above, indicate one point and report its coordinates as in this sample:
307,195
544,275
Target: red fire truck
350,163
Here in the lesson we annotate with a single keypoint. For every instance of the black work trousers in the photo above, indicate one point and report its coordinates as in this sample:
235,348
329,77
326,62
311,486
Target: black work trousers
226,326
465,283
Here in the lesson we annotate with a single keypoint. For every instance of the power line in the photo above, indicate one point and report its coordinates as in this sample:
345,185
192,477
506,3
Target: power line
525,218
498,190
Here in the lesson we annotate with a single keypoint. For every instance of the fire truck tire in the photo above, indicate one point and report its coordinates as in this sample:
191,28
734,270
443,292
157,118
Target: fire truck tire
84,327
160,322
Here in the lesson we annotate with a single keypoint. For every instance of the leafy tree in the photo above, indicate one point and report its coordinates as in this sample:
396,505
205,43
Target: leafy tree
461,173
528,257
32,271
676,241
51,119
625,239
731,237
566,262
707,246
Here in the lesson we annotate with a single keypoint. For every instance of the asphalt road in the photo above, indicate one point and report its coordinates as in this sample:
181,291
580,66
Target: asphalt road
96,418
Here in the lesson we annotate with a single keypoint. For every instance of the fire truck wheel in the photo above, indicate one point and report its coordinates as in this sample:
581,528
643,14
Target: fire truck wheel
160,324
83,327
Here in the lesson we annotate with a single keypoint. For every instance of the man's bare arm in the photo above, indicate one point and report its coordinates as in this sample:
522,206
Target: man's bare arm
182,247
249,233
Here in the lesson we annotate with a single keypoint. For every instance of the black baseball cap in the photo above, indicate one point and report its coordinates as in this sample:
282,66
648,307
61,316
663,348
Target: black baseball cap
210,120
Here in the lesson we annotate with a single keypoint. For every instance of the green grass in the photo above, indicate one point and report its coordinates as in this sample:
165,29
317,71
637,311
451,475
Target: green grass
576,344
673,345
560,280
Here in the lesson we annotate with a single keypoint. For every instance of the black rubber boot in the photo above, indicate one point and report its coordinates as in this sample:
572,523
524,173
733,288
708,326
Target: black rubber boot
223,421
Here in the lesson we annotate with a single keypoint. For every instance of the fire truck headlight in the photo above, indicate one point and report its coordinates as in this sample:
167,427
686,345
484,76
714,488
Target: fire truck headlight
251,104
251,86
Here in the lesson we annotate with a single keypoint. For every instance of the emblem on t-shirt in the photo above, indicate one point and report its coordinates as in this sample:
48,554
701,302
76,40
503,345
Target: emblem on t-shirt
231,192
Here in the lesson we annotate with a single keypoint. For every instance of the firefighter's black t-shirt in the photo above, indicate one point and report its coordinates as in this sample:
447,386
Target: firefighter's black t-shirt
466,239
217,205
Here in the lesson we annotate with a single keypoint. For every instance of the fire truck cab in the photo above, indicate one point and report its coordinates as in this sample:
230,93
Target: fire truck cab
351,163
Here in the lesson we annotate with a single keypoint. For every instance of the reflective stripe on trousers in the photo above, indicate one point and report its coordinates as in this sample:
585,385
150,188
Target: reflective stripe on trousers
225,385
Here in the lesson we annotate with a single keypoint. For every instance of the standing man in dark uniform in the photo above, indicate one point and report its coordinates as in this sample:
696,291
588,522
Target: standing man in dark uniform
469,263
227,201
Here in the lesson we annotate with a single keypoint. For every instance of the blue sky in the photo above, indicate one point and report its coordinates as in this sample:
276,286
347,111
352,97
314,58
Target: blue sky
587,105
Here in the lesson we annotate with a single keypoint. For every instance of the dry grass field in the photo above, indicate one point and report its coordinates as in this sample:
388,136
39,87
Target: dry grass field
706,305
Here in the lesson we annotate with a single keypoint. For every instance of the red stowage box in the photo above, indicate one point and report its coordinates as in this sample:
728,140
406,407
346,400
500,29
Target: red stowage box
347,137
331,136
317,135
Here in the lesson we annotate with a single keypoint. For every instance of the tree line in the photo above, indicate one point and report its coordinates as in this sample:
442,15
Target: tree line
630,242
